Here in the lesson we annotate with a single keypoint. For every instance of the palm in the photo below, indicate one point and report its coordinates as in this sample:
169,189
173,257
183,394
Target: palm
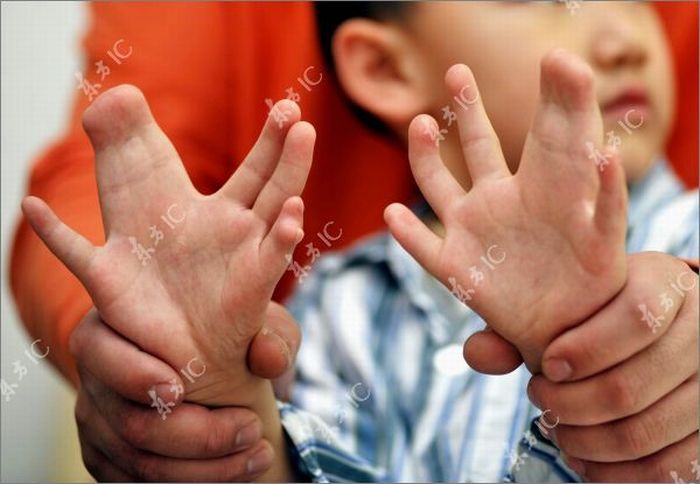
557,223
189,283
185,275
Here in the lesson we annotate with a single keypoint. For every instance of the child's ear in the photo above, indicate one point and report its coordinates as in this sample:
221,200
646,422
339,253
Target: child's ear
380,71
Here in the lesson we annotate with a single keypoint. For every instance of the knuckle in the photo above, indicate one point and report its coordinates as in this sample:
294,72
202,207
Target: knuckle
235,470
657,471
574,441
151,468
645,291
622,394
567,442
147,468
218,439
232,469
133,428
633,440
580,352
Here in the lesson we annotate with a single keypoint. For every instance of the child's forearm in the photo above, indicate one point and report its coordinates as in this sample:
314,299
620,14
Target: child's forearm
258,396
266,408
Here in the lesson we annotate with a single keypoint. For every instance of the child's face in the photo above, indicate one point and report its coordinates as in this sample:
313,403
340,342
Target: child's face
503,42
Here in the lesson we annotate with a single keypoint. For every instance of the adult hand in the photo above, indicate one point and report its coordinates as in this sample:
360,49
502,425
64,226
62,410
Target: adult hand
626,389
124,439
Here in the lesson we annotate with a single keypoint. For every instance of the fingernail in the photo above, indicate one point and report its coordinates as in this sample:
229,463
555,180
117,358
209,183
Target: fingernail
574,464
284,345
260,461
556,369
286,352
248,435
167,392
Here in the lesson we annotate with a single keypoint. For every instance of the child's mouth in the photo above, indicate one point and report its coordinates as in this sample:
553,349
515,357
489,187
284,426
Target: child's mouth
630,105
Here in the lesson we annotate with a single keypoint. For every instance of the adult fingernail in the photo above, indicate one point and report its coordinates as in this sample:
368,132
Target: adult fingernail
260,461
556,369
574,464
169,393
248,435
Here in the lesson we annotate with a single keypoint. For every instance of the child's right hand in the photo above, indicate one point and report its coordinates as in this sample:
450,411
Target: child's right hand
536,252
184,276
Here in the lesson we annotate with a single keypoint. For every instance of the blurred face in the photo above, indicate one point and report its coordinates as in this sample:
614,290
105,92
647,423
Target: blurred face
503,42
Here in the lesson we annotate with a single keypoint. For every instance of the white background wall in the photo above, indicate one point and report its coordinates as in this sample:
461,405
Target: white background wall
40,54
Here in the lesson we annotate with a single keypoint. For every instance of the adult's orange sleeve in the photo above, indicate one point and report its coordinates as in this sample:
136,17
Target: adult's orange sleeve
176,59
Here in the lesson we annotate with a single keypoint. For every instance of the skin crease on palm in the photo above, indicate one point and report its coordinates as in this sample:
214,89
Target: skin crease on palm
503,44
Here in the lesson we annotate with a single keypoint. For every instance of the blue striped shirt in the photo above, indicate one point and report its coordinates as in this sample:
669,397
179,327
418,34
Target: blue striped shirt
381,390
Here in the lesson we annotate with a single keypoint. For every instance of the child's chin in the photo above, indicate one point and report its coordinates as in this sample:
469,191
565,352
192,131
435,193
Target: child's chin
637,159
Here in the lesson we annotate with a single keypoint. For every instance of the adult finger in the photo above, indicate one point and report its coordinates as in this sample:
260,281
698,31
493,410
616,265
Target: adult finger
619,331
670,464
627,388
120,365
147,466
669,420
188,431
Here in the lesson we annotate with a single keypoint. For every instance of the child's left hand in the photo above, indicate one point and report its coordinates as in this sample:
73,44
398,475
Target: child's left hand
536,252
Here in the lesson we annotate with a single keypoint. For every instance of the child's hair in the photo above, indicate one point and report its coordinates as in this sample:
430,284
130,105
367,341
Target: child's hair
330,15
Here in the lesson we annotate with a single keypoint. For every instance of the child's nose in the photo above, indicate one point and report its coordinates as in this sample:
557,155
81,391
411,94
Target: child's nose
617,38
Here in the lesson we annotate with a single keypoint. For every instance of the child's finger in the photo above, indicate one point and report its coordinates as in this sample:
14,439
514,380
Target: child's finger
561,147
611,206
487,352
435,181
285,234
74,250
291,173
250,178
480,145
273,350
417,239
131,152
618,331
567,81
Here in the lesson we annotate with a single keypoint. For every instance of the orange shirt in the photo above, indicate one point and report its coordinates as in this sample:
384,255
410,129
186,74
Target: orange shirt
206,70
